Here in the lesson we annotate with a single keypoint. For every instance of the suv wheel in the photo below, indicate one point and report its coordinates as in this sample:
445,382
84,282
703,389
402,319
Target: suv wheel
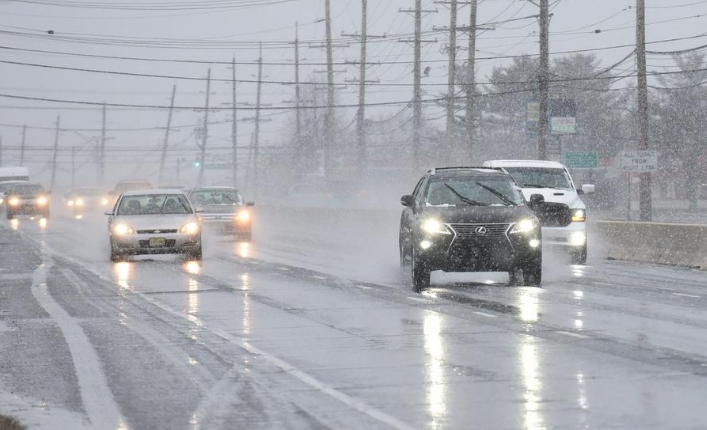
420,273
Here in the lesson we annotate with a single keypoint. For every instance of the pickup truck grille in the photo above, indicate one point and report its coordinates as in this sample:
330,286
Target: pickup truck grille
554,215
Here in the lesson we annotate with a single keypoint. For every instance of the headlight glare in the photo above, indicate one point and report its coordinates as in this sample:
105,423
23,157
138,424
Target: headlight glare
243,216
70,203
79,202
190,228
580,215
14,201
433,226
524,226
41,201
122,230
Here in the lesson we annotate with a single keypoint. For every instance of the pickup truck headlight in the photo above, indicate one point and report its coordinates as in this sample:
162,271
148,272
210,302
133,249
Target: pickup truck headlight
433,226
524,226
579,215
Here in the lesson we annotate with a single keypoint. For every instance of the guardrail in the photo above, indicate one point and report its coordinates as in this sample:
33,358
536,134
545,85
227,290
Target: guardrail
673,244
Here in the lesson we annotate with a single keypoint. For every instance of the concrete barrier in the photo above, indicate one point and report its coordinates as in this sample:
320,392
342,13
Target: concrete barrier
673,244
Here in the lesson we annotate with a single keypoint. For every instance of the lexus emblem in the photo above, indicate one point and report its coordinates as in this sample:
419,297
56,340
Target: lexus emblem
158,231
481,231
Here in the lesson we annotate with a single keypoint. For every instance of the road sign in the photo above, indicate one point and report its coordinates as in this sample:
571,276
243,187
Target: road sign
639,161
582,160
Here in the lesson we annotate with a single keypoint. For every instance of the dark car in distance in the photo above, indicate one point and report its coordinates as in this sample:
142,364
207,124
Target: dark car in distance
27,199
469,220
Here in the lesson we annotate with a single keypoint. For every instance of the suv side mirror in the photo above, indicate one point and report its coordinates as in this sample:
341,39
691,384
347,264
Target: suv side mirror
407,200
251,204
588,189
536,200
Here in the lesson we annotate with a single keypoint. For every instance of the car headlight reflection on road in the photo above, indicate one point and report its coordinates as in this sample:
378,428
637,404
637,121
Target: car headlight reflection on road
190,228
122,230
14,201
41,201
524,226
433,226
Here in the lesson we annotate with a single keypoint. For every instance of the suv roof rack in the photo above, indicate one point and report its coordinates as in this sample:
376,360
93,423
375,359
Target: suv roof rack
436,169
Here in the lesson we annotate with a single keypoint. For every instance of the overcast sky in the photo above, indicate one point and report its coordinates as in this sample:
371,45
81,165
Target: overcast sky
210,34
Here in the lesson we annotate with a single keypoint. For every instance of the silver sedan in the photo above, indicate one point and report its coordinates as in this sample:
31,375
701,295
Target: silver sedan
154,222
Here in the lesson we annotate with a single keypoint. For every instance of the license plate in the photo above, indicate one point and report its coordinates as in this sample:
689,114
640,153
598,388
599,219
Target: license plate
157,242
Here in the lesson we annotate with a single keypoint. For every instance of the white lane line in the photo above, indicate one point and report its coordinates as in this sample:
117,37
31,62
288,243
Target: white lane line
16,277
345,399
364,287
284,269
102,410
322,278
568,333
603,283
484,314
417,299
687,295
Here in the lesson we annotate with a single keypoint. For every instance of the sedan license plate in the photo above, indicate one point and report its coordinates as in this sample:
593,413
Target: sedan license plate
157,242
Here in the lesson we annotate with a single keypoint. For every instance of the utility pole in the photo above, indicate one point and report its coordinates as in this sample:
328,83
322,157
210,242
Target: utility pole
299,150
73,166
22,147
451,77
544,79
329,121
256,140
102,151
165,143
206,130
471,83
645,190
56,150
234,128
361,117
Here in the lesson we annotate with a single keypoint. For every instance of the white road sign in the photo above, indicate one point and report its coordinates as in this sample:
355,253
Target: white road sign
639,161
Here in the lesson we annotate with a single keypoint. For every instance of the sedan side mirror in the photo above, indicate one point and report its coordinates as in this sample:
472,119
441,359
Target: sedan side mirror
589,189
407,200
536,200
251,204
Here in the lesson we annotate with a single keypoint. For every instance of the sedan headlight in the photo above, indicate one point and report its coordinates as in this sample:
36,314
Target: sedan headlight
243,216
122,230
104,202
14,201
1,200
79,202
70,203
41,201
524,226
433,226
191,228
580,215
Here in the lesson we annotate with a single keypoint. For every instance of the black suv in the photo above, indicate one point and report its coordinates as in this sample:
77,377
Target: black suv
27,199
469,220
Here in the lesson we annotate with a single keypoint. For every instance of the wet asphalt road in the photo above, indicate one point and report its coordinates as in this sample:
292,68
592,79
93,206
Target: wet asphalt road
310,327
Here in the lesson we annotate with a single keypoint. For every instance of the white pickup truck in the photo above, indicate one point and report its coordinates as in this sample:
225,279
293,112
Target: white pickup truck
561,210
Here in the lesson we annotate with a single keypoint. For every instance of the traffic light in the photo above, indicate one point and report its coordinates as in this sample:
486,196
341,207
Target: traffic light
197,164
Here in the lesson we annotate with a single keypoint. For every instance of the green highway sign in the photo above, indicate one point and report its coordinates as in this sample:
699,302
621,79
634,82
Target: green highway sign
582,160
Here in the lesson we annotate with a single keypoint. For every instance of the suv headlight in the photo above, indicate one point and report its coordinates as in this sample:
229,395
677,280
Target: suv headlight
41,201
190,228
433,226
14,201
122,230
524,226
579,215
243,216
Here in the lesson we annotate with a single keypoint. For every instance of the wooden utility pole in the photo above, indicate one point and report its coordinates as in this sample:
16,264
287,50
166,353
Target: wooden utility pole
234,127
361,117
102,150
451,76
471,84
56,150
645,190
165,143
205,137
299,145
417,91
73,166
329,121
256,140
22,146
544,79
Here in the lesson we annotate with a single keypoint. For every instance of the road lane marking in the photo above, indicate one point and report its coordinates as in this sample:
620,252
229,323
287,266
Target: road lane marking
16,277
284,269
97,398
417,299
321,278
484,314
364,287
687,295
569,333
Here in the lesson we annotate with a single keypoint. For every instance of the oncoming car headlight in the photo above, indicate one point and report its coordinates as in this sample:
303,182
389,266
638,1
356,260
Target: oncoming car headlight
122,230
190,228
243,216
70,203
14,201
524,226
79,202
433,226
104,202
580,215
41,201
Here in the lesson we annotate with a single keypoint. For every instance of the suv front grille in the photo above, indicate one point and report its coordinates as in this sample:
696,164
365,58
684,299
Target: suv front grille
480,230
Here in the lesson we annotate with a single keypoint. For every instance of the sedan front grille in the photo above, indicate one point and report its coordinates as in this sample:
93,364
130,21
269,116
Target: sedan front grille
480,230
157,231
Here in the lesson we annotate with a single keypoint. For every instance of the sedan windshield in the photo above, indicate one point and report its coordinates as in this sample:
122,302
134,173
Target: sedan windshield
216,197
154,204
536,177
473,191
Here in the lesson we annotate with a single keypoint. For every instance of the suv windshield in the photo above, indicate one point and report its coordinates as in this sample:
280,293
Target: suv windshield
216,197
28,189
474,191
154,204
539,177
